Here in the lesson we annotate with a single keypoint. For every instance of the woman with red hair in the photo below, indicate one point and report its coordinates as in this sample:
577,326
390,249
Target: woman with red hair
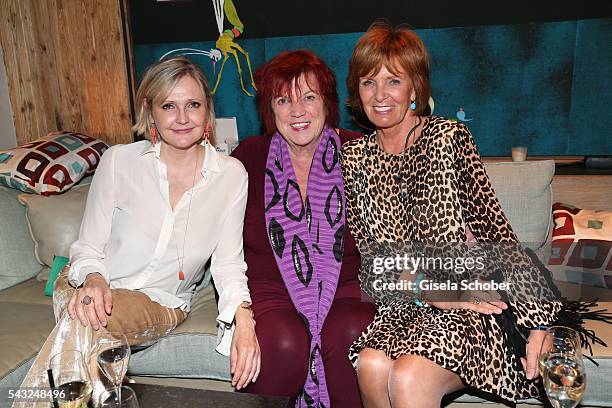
302,261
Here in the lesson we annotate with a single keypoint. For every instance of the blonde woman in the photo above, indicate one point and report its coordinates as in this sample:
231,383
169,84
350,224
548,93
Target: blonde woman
157,211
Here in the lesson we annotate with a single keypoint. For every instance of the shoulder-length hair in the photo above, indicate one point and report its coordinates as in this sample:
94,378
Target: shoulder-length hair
157,83
276,77
397,48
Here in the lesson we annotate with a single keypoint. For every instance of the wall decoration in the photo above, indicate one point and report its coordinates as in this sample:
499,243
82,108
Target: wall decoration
547,86
224,46
461,115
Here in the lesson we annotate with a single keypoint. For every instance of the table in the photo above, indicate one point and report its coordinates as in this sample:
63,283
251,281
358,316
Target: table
158,396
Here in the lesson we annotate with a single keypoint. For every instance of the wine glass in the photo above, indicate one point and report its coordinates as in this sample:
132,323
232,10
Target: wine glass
71,382
564,379
113,355
559,339
126,398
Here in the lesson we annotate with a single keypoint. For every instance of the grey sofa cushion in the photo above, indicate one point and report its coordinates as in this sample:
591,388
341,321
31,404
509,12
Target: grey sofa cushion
54,221
525,192
16,247
189,351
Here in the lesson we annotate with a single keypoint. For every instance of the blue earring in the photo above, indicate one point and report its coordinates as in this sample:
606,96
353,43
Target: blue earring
412,105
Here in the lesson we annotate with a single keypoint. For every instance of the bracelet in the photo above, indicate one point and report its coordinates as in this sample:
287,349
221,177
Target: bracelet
419,301
247,306
543,328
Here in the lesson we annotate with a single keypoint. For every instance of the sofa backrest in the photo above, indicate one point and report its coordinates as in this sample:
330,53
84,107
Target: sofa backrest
525,192
17,261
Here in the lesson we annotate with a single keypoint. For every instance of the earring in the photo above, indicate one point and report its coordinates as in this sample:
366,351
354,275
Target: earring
154,135
412,105
207,133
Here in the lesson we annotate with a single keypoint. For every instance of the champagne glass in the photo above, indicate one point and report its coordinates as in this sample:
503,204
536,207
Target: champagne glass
71,379
126,398
564,379
113,355
559,339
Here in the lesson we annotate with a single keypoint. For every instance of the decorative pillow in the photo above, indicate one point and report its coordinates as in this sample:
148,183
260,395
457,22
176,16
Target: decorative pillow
54,221
581,246
50,165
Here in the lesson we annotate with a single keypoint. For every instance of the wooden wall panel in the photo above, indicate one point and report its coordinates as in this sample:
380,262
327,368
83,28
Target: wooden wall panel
66,67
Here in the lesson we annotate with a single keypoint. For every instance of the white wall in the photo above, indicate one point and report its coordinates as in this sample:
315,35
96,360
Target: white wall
7,126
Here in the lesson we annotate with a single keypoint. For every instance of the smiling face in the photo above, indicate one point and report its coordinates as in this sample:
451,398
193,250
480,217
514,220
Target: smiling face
300,116
181,117
385,97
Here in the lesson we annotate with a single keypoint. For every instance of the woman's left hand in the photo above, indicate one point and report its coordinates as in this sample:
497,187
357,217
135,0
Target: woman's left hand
245,356
534,344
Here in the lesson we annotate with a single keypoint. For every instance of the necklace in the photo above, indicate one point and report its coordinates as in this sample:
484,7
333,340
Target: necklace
400,176
181,259
362,182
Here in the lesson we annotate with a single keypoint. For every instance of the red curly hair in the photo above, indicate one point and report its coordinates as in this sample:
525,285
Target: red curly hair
275,78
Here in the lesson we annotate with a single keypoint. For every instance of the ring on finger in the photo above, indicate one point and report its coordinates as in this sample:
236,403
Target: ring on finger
476,301
86,300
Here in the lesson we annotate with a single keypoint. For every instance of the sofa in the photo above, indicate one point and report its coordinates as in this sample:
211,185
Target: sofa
34,228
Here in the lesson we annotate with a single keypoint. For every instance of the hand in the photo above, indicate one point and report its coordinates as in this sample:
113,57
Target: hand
485,302
534,345
97,311
245,356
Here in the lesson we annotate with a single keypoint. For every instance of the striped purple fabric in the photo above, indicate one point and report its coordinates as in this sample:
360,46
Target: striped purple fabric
307,241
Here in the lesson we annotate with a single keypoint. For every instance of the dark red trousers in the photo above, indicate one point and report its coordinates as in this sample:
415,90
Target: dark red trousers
285,347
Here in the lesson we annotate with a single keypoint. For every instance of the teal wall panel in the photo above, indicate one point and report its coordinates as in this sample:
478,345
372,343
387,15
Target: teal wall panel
544,85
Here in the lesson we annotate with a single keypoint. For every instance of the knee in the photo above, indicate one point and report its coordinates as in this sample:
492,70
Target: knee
405,373
284,345
284,357
345,322
372,364
412,374
291,347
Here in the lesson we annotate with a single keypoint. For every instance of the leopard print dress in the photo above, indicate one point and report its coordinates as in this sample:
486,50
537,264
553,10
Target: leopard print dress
445,188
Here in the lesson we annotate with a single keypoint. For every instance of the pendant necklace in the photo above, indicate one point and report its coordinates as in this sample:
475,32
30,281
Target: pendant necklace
180,259
403,195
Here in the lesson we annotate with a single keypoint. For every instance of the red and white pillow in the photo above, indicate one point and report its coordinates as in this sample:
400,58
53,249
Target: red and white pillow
52,164
581,246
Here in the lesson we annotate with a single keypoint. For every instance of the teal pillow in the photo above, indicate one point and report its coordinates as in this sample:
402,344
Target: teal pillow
58,264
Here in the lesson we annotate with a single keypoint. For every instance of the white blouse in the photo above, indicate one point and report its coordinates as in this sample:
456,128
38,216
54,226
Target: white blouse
132,237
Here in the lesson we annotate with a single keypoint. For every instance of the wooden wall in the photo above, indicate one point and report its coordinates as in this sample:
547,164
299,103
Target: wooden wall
66,67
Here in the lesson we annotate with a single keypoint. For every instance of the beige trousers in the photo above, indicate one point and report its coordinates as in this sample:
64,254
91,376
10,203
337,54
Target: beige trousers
134,313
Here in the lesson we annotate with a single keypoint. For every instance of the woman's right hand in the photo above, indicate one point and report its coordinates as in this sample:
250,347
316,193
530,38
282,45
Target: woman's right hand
484,302
100,306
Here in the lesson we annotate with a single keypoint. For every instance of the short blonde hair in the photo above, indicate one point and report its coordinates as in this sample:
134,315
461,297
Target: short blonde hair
394,47
157,83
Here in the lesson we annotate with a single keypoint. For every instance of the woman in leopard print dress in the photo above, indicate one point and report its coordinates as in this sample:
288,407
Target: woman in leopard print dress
413,355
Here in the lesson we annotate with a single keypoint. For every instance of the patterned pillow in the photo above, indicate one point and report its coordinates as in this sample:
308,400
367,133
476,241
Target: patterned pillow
52,164
581,246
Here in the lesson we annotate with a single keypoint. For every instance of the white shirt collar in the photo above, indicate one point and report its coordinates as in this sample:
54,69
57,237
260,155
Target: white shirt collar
211,156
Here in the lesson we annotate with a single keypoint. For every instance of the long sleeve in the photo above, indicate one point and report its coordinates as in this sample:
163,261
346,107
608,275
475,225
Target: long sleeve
87,253
228,268
484,216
